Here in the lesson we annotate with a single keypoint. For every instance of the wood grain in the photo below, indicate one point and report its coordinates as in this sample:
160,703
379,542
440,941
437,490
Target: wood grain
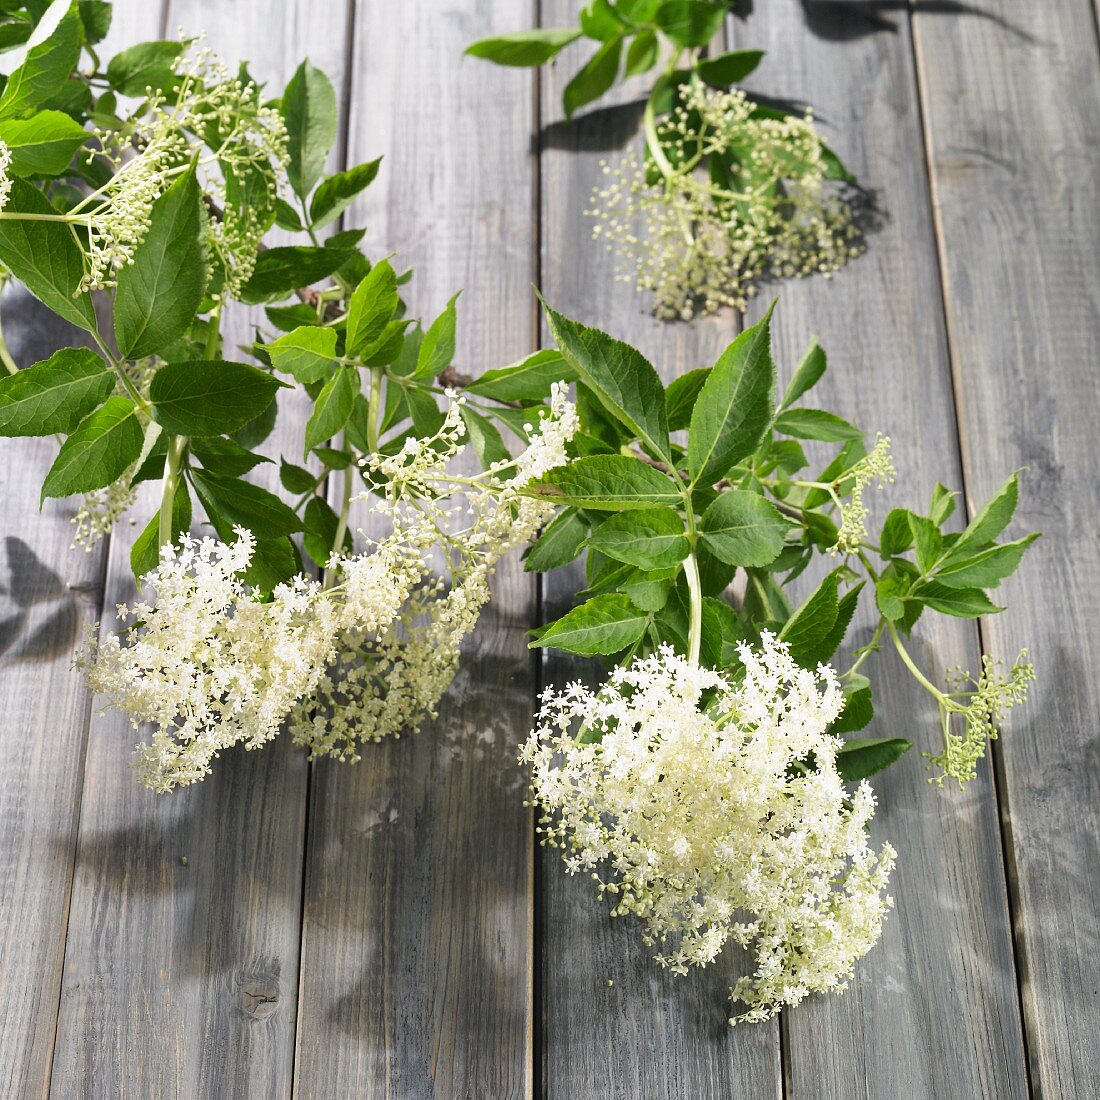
182,960
1012,110
880,321
650,1034
417,942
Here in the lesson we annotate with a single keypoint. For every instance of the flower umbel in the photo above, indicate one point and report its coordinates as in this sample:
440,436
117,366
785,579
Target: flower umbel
875,466
728,194
716,821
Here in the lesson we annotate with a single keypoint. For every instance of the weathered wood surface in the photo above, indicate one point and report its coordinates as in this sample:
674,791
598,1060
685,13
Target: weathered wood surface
416,973
880,321
1012,111
382,930
182,959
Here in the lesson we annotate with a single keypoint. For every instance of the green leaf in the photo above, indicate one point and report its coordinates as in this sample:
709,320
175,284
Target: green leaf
321,526
816,424
44,256
643,53
296,479
146,65
333,407
735,405
309,111
650,538
603,625
966,603
274,562
209,396
859,706
438,346
862,757
486,440
528,380
942,506
607,482
987,568
561,542
55,395
928,540
160,292
595,77
600,21
691,23
95,19
897,535
334,195
371,306
807,375
810,627
230,502
742,528
889,590
650,589
98,451
523,48
990,521
621,377
279,271
681,395
46,69
307,353
221,455
728,68
42,145
145,553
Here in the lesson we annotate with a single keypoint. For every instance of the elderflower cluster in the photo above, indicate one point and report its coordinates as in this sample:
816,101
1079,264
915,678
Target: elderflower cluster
717,821
875,466
376,688
982,702
239,170
731,197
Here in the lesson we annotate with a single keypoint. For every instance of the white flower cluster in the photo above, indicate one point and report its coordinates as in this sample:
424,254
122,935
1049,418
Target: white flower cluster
878,466
5,174
239,170
377,688
718,820
209,665
701,239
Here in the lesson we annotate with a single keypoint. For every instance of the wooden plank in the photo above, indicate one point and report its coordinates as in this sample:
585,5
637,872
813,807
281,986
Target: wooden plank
51,594
880,321
182,960
650,1034
416,946
1012,110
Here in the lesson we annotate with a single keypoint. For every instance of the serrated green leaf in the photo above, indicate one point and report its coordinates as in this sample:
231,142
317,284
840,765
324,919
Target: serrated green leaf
335,194
859,706
486,440
607,482
230,502
808,374
438,346
965,603
650,538
274,562
735,405
862,757
44,71
897,535
649,589
622,379
523,48
98,451
42,145
308,353
296,479
990,521
594,77
942,506
160,291
209,396
690,23
309,111
95,19
287,268
333,407
681,395
372,305
146,65
816,424
55,395
987,568
528,380
561,542
603,625
928,541
742,528
811,625
728,68
224,456
44,256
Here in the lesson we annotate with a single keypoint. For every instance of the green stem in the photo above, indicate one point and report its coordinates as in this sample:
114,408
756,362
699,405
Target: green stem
5,356
695,627
910,664
177,446
345,509
374,421
868,649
